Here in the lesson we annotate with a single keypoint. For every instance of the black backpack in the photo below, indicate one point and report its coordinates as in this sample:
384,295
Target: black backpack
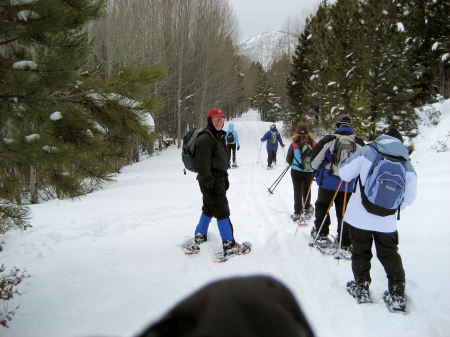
230,137
188,148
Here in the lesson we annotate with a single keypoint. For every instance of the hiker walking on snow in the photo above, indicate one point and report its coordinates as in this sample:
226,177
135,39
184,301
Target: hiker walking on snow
299,157
211,163
232,141
365,226
272,137
325,160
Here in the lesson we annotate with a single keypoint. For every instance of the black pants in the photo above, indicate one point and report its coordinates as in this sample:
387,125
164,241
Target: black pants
231,149
215,202
271,157
301,182
386,245
323,202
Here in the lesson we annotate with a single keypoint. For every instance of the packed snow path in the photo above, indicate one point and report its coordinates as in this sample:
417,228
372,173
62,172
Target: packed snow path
110,263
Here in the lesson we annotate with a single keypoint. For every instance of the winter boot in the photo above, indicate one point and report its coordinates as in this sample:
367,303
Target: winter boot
321,240
395,303
296,217
395,298
193,246
309,212
231,247
200,238
360,291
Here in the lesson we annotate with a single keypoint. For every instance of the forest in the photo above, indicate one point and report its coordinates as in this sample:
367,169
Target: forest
87,87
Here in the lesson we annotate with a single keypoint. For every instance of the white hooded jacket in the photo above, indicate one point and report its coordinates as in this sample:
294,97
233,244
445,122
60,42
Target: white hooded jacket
359,164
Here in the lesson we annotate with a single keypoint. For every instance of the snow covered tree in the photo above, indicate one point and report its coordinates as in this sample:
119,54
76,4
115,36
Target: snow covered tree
63,127
305,82
265,100
63,130
427,31
349,46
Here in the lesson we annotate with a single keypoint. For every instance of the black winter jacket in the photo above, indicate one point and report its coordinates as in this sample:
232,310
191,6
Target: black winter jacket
211,157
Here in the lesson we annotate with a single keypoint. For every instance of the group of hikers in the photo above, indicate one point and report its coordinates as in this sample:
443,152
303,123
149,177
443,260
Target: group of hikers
343,168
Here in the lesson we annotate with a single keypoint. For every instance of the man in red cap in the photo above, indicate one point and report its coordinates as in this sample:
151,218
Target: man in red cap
211,163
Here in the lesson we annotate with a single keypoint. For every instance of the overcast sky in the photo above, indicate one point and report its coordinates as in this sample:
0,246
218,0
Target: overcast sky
259,16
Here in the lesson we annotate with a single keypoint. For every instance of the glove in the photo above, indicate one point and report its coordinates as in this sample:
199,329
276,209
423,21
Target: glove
238,147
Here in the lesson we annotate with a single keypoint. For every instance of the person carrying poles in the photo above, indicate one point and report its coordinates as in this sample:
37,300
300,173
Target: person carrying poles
272,137
326,157
232,141
299,157
386,183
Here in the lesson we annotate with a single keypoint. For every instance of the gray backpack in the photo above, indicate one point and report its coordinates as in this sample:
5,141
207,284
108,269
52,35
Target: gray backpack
344,147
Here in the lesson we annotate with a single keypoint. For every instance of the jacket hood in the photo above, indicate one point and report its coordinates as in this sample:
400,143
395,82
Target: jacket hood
230,127
345,130
392,146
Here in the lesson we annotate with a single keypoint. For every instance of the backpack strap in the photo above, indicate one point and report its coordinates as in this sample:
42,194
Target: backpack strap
293,157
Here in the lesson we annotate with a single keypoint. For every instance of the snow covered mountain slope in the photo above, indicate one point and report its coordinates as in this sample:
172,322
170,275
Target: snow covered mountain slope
110,263
268,47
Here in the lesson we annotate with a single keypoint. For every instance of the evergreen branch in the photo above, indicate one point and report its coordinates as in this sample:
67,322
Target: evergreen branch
10,40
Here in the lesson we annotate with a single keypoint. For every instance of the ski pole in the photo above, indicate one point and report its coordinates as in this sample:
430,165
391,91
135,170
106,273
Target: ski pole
257,162
339,254
277,181
326,214
343,213
304,203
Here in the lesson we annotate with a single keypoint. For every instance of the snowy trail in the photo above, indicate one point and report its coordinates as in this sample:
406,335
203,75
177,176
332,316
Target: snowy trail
110,263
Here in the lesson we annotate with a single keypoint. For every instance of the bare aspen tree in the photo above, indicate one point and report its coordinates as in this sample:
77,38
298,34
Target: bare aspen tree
194,40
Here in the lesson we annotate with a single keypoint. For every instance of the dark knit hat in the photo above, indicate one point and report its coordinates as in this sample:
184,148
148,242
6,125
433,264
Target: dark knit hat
393,132
344,120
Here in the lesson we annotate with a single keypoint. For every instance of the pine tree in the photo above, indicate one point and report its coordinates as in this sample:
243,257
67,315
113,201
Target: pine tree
355,49
62,127
428,39
260,100
388,75
63,130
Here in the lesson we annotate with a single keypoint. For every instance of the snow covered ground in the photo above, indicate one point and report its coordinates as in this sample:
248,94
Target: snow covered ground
110,263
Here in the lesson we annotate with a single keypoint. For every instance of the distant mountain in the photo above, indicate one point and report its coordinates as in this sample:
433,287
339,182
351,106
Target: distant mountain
268,47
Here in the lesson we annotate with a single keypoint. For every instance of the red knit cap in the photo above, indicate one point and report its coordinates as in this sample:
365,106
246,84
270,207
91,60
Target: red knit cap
216,113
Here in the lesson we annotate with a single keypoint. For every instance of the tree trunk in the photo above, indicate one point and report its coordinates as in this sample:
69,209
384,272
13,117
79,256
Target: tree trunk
33,186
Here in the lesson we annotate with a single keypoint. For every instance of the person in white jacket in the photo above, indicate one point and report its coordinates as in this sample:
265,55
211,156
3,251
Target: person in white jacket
366,227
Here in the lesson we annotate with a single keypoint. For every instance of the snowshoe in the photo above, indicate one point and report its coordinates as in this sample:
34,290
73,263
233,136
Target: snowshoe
360,291
302,222
231,248
320,240
395,303
344,253
192,246
309,212
296,217
191,250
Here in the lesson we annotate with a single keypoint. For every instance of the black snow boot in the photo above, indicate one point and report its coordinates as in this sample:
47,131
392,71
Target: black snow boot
200,238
